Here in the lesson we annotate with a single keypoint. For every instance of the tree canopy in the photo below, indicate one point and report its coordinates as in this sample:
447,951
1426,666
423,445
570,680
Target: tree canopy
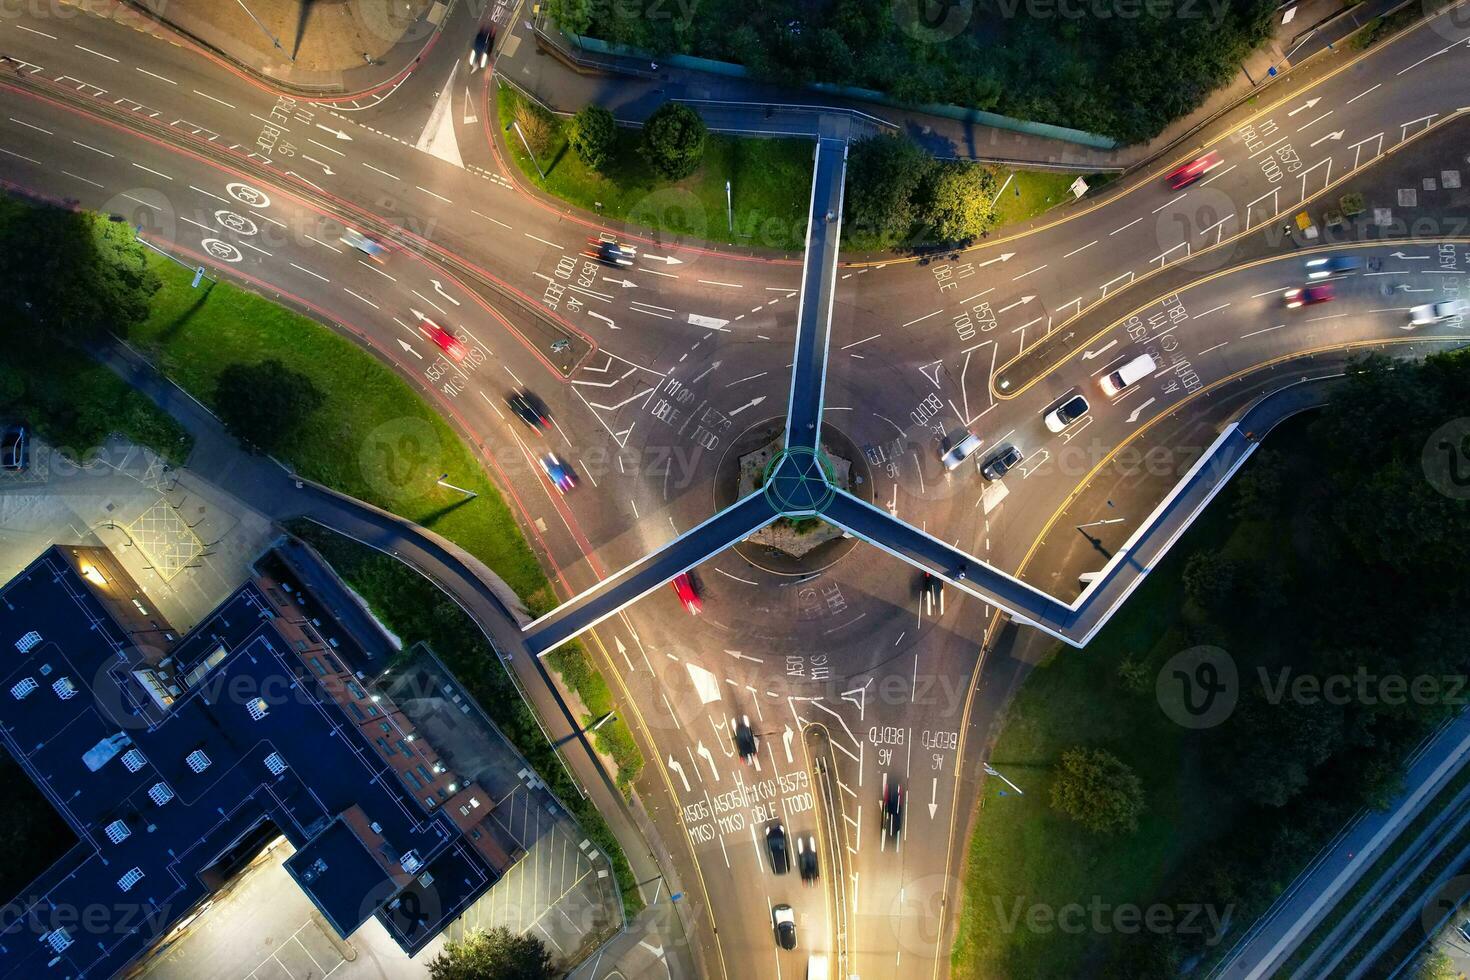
493,954
673,140
264,403
1098,790
592,134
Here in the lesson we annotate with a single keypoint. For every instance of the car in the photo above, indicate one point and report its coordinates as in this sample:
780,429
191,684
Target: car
1182,176
1332,265
1308,295
451,345
1132,371
1465,930
776,845
746,742
559,473
1001,463
14,444
528,408
893,809
1435,312
785,923
806,858
609,251
367,246
960,451
688,595
931,589
480,49
1066,413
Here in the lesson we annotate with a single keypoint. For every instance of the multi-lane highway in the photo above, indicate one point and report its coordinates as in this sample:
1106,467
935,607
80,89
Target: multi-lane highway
661,366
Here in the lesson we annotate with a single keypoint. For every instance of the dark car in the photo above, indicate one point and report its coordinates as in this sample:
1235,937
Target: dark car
14,444
1001,463
931,590
806,858
893,810
609,252
528,409
785,922
745,741
776,844
1332,265
480,50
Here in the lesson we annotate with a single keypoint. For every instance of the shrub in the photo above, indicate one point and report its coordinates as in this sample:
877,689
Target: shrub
673,140
592,134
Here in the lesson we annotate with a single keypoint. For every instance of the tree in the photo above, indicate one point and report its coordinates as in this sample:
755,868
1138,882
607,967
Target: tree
1210,580
1098,790
535,123
1435,964
12,385
955,200
574,16
76,273
673,140
592,134
1258,487
493,954
883,175
263,404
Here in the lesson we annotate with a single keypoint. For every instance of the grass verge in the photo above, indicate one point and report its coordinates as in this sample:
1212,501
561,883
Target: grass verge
414,610
74,403
770,182
374,438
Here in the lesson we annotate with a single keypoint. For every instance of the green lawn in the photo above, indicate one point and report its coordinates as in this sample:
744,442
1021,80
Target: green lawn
1033,192
770,180
1023,854
414,609
74,403
375,438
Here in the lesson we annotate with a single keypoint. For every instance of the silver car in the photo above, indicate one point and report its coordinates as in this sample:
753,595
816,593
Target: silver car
1437,312
960,451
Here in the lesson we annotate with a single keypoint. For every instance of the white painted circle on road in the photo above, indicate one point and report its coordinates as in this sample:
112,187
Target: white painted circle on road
223,251
237,223
246,194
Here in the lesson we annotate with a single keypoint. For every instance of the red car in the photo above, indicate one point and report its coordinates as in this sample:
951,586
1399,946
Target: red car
444,340
1182,177
684,587
1308,296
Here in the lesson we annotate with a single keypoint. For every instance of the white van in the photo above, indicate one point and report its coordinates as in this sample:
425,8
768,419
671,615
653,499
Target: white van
1140,367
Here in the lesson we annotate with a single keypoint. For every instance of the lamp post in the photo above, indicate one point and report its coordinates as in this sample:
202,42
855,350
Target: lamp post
266,32
443,481
992,771
529,152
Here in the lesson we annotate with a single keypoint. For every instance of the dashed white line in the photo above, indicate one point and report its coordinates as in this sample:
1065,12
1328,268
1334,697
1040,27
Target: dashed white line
1076,250
94,149
21,156
309,272
363,298
1213,309
152,171
432,194
541,240
206,95
1125,227
383,172
1171,200
81,178
322,243
1208,349
488,218
152,74
22,122
1027,273
98,54
208,194
1217,176
29,30
374,268
863,341
922,318
1363,93
712,282
1257,333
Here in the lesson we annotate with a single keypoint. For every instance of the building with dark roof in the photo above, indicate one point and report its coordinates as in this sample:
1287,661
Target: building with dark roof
176,759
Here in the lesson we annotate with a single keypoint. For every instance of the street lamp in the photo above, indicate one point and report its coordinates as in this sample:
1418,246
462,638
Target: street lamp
529,152
277,43
1110,520
585,731
443,481
992,771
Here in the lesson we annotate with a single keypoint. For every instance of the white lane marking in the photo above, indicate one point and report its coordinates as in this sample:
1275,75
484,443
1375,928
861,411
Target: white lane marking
108,56
206,95
1171,200
1217,176
1208,349
432,194
21,156
735,577
22,122
369,265
922,318
542,240
151,74
383,172
309,272
1257,333
94,149
712,282
29,30
152,171
1076,250
1315,121
363,298
1027,273
207,193
1363,93
1213,309
322,243
488,218
81,178
1125,227
329,149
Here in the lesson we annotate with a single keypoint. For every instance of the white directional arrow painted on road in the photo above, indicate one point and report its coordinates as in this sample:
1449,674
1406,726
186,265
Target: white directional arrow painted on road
1304,106
786,743
1089,355
708,758
624,651
668,259
335,132
1020,302
1133,415
604,319
625,283
325,169
933,797
1410,258
702,374
674,765
1410,289
408,348
750,404
439,288
1330,136
1004,257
